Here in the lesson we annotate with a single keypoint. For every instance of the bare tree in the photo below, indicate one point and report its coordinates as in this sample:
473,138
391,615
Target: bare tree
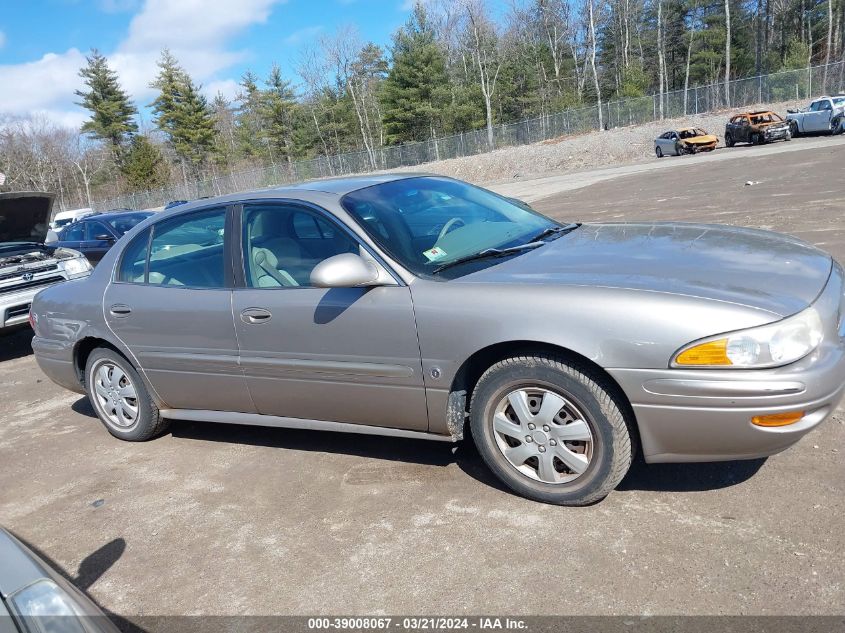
593,63
829,42
89,159
351,61
727,53
661,56
692,28
484,45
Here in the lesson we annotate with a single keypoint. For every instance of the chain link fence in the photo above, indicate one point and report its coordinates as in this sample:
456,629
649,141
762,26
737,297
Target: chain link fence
799,85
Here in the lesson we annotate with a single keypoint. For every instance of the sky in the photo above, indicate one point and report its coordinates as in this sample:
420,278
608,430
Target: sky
43,43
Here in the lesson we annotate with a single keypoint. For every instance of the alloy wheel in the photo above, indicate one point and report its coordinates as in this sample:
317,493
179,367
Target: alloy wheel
115,396
543,435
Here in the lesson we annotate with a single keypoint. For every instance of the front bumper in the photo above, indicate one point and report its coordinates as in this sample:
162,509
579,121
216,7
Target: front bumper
776,135
14,306
688,415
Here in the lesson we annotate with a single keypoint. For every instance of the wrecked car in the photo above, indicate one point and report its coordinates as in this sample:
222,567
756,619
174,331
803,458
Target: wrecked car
27,264
756,128
684,141
825,114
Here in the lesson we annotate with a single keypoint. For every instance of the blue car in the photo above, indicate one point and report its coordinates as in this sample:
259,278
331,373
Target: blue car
96,234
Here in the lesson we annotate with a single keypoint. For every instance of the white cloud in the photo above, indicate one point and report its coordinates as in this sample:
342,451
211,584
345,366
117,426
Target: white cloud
198,32
41,84
229,88
303,35
192,24
2,39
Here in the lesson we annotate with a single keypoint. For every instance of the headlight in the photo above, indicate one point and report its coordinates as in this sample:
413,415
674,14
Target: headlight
44,606
770,345
77,266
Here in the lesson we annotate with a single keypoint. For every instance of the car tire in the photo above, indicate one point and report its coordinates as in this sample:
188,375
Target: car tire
729,140
793,129
658,152
836,126
756,139
565,400
120,398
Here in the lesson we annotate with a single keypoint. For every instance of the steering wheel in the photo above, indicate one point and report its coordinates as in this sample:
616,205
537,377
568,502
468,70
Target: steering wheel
448,227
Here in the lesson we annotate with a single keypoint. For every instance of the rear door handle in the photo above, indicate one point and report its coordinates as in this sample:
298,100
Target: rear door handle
120,310
256,315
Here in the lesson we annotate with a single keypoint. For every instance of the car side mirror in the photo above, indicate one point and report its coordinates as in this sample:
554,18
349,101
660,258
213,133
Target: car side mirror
344,271
104,237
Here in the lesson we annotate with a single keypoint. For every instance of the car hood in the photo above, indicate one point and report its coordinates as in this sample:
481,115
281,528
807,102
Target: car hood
24,216
760,269
701,140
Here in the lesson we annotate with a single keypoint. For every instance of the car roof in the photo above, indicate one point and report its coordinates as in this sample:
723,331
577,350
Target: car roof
114,214
306,190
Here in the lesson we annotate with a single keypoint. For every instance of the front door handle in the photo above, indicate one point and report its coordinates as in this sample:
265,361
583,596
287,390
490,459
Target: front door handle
120,310
256,315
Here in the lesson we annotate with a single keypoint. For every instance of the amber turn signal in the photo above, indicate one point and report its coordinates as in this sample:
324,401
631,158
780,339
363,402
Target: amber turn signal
778,419
710,353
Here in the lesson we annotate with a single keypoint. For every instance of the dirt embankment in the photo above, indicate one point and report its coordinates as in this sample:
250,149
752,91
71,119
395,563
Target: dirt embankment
616,146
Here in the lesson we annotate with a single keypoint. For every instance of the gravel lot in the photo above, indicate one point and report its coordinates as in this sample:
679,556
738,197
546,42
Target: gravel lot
238,520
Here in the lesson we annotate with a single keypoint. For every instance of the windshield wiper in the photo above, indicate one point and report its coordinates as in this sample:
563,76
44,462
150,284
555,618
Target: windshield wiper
554,230
488,253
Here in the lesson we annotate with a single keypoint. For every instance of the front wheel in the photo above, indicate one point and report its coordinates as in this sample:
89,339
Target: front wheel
658,152
551,430
729,140
120,398
793,129
836,126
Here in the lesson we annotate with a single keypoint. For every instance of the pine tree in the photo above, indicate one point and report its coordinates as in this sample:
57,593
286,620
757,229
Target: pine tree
169,84
249,125
416,90
183,114
194,136
278,113
112,113
144,166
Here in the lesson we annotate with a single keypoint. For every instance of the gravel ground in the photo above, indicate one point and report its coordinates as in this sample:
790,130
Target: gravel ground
219,519
617,146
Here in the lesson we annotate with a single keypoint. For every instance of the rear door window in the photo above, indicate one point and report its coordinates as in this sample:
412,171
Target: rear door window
188,250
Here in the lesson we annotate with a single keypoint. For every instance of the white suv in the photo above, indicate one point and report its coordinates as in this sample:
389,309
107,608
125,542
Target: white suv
27,265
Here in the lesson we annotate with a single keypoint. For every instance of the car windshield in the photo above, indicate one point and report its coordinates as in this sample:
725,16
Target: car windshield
839,101
125,222
692,133
63,222
768,117
427,222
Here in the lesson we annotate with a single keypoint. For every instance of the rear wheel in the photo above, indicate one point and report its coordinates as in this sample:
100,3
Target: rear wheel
658,152
729,140
120,398
551,430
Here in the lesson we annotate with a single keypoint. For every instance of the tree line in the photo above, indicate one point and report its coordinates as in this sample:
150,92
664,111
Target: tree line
456,65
